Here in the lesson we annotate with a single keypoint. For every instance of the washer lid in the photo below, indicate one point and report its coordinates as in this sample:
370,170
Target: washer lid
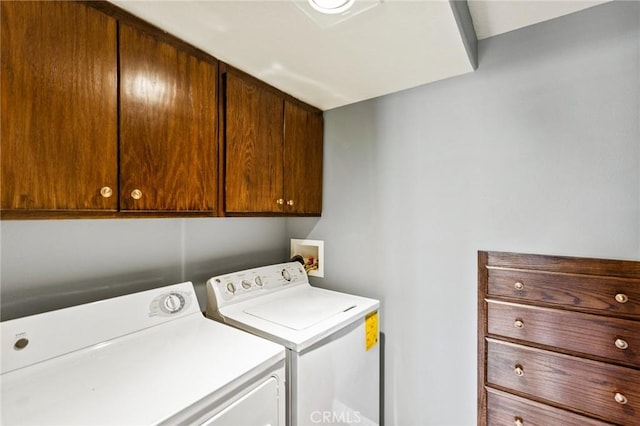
298,313
298,317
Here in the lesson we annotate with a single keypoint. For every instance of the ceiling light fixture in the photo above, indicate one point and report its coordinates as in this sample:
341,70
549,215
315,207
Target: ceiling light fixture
331,7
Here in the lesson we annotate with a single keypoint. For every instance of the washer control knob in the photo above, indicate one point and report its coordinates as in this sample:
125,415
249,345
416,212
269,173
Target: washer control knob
258,281
286,275
231,288
246,284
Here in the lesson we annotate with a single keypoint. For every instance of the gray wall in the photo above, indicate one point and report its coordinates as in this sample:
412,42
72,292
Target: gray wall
537,151
53,264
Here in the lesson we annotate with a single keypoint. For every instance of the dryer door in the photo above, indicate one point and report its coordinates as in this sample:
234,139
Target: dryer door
259,407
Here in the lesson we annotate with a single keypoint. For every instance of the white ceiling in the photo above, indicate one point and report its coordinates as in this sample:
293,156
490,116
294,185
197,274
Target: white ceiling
493,17
376,48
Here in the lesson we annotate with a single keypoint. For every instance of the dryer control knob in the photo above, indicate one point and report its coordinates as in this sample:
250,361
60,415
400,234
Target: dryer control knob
231,288
246,284
173,303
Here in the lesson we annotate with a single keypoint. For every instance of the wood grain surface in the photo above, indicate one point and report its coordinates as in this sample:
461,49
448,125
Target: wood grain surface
592,292
571,331
504,409
254,167
565,264
59,107
584,385
303,159
168,116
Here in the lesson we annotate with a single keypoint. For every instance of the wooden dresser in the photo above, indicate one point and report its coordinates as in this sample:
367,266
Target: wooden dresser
558,340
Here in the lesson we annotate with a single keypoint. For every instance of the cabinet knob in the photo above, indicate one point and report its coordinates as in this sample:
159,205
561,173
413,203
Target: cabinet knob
621,344
519,371
621,298
289,202
280,201
106,192
518,324
620,398
518,421
518,285
136,194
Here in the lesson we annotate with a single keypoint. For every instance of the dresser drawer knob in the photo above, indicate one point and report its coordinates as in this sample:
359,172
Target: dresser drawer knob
518,421
620,398
621,298
621,344
518,324
519,371
518,285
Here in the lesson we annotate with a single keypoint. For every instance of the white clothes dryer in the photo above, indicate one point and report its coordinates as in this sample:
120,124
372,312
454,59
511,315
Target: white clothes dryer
142,359
333,354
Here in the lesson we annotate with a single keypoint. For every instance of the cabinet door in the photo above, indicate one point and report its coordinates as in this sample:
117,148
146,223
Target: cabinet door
254,163
59,107
303,160
167,126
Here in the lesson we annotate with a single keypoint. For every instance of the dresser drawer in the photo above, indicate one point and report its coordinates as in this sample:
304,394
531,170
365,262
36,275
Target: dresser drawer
504,409
609,392
606,294
612,338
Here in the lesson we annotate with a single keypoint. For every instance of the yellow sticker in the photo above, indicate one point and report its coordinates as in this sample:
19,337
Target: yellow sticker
371,330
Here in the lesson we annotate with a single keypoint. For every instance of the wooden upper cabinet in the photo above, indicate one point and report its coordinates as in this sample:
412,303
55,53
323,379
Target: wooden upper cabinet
254,152
273,151
104,115
59,107
168,139
303,131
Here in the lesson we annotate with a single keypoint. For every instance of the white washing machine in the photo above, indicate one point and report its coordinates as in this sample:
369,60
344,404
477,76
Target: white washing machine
142,359
333,354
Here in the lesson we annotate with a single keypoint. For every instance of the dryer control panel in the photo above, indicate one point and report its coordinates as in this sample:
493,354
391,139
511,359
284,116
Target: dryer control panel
258,282
37,338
